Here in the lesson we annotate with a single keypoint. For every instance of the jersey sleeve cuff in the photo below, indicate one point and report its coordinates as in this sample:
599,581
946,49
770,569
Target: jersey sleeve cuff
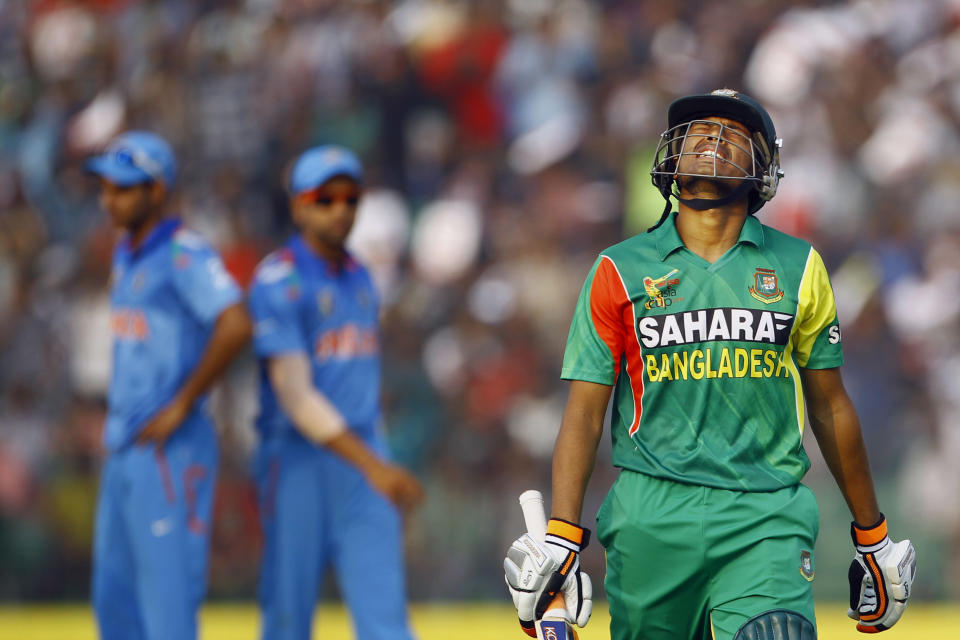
587,376
830,362
279,349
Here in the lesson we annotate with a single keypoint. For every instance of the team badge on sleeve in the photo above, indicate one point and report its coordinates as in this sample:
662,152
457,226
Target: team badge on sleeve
185,241
806,565
219,276
765,287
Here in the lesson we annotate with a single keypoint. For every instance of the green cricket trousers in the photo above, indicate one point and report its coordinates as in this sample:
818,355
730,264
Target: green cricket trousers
688,562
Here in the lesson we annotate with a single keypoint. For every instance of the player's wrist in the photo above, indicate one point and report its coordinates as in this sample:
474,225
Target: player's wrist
323,429
183,401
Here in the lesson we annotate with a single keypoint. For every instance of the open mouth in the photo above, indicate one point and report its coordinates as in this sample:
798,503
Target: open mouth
712,154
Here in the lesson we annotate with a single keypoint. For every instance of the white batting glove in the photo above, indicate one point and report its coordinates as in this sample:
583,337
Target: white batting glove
578,596
880,575
564,541
526,569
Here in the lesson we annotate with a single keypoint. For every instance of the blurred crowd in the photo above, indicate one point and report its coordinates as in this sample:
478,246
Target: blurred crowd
506,143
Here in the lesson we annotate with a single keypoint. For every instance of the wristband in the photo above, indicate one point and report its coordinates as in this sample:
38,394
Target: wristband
568,535
870,539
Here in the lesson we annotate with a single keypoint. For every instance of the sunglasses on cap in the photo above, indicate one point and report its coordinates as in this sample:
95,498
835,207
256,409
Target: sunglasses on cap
326,197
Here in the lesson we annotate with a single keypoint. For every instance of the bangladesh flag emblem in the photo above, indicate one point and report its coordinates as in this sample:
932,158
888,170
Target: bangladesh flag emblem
765,287
806,565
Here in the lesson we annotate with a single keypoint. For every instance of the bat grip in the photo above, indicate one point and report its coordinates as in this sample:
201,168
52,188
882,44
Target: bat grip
531,502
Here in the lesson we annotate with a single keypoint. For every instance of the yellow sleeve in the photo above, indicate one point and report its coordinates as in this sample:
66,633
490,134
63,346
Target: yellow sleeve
816,336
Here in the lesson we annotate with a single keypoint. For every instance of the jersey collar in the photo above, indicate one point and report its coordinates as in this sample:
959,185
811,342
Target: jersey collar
158,235
302,250
668,238
752,232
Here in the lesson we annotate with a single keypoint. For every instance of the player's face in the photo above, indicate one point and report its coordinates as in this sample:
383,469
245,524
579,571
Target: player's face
327,213
717,147
130,207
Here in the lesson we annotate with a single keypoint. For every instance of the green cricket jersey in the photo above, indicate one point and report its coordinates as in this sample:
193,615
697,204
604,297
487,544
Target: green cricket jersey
705,356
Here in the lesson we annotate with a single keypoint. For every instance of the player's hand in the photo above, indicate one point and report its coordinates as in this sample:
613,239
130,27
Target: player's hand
165,422
564,541
396,484
578,596
526,569
881,576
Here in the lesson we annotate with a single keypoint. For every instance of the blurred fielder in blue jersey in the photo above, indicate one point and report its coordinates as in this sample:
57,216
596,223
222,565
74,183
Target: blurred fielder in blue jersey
328,496
177,320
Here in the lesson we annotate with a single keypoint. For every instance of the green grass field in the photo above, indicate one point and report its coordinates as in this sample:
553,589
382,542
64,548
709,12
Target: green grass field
434,622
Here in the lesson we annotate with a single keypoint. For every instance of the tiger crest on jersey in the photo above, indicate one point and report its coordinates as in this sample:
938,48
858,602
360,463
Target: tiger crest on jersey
806,565
765,287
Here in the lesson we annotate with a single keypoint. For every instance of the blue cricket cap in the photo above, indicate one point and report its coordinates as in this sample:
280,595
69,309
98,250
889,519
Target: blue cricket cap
135,157
319,164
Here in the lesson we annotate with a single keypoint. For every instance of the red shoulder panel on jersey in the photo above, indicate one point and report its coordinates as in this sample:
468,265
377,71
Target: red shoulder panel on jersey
615,322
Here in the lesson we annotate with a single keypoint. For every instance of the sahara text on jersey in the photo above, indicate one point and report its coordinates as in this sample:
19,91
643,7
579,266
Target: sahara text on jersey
714,325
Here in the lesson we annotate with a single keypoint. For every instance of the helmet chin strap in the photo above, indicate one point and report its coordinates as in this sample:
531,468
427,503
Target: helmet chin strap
663,216
702,204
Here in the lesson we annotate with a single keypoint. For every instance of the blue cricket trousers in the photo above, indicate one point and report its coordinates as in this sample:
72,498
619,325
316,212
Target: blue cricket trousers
318,511
152,536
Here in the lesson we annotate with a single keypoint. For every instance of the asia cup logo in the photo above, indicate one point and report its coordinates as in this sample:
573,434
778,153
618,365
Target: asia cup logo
765,287
656,288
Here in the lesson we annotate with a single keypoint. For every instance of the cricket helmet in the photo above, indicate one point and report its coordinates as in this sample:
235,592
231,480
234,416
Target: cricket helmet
764,173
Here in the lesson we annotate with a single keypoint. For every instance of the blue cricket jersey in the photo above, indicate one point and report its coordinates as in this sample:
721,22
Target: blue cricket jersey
301,303
165,297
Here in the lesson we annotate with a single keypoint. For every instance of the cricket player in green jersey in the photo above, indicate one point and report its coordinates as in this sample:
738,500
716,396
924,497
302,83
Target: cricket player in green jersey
717,339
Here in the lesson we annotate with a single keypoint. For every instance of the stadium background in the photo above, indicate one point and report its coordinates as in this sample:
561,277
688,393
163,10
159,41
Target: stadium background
507,142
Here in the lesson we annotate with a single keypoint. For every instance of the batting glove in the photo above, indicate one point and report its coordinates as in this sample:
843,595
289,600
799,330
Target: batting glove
564,541
880,575
526,569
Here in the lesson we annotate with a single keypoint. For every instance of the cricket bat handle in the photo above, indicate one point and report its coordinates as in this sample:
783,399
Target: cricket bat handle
535,519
